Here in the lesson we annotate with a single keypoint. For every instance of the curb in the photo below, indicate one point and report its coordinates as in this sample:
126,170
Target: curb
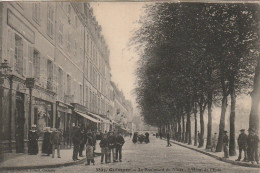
8,168
219,158
43,166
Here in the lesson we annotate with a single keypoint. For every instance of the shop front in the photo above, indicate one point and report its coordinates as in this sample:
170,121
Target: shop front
83,119
63,122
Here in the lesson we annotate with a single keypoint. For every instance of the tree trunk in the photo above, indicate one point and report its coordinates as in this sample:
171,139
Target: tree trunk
179,129
208,145
187,130
201,127
183,129
255,97
196,126
232,141
222,124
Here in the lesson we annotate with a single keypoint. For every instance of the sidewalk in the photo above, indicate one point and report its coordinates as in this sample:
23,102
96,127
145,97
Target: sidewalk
25,161
217,155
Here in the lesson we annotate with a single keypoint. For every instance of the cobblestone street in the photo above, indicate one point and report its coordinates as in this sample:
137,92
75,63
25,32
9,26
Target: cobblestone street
156,157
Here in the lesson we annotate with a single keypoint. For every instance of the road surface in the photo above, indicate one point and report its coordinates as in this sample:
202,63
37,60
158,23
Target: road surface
156,157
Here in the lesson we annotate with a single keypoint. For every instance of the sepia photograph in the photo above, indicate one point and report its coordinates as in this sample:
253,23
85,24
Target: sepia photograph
130,86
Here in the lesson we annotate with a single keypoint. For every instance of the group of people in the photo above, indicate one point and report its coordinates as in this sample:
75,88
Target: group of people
51,140
141,138
81,138
111,144
247,143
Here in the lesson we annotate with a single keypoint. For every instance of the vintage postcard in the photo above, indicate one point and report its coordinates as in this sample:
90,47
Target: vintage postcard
130,86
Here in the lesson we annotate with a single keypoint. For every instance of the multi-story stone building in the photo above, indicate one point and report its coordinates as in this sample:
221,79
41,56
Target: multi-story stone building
122,108
60,46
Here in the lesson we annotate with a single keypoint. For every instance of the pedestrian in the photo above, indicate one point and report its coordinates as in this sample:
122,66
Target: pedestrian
46,143
56,139
119,144
76,137
104,147
242,144
252,144
33,141
168,140
135,138
82,141
225,144
147,140
214,143
199,137
160,135
94,137
111,146
89,149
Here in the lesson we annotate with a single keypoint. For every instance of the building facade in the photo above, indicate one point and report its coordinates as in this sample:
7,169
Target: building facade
60,46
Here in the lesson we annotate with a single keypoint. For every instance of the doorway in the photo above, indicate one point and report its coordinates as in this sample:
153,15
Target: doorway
20,120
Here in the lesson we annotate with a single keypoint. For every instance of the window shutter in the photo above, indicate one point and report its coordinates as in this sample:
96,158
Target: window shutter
43,78
55,81
11,47
25,58
65,83
30,60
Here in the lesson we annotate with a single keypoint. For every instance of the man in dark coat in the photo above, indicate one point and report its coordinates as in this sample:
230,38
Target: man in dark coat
135,137
147,140
242,144
82,141
252,144
168,140
46,143
56,139
111,146
76,137
104,147
33,141
225,144
119,143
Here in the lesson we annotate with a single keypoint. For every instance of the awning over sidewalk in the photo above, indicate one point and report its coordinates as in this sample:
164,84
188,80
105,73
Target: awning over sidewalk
99,117
88,117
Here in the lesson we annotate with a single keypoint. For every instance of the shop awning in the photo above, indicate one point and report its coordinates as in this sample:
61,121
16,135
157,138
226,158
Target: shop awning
88,117
99,117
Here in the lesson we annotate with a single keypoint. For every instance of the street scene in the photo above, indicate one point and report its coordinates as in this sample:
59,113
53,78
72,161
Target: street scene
93,86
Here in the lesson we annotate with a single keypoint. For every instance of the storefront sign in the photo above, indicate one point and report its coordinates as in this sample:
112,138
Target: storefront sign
78,107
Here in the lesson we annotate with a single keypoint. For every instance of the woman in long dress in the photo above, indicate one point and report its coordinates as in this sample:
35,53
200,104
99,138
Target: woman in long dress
46,144
33,141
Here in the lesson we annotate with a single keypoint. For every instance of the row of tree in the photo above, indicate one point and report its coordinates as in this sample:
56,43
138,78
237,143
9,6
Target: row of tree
194,56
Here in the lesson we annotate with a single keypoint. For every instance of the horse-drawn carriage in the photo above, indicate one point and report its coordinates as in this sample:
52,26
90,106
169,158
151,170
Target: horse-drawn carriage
140,138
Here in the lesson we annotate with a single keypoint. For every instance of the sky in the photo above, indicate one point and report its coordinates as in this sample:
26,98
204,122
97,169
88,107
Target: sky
118,21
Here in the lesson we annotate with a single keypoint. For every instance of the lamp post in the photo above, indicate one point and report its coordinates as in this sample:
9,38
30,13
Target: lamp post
6,73
29,82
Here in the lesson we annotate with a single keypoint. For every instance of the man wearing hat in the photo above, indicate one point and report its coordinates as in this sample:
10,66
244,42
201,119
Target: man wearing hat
225,144
252,143
56,139
33,141
242,144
